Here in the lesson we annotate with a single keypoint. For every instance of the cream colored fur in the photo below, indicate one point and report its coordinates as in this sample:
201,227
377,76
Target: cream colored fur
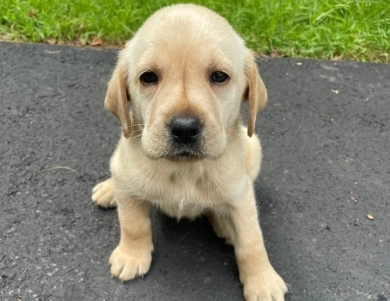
183,45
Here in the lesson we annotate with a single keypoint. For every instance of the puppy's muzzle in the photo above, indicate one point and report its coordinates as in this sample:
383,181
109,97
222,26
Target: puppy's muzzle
185,133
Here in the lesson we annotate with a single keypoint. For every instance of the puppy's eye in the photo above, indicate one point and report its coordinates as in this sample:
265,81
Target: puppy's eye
149,78
218,77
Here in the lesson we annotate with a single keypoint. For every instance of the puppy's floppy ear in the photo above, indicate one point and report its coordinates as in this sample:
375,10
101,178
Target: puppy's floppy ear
117,96
255,93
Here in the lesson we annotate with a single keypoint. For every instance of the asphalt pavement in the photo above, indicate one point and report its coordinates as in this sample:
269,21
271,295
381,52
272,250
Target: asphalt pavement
326,169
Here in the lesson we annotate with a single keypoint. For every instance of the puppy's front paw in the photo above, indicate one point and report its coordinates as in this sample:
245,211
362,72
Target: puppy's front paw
103,194
267,286
128,263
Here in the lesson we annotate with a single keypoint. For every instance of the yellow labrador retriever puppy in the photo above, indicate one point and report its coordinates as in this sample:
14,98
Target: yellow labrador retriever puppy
184,148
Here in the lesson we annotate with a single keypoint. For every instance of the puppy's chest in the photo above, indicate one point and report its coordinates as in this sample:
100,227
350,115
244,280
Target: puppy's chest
181,194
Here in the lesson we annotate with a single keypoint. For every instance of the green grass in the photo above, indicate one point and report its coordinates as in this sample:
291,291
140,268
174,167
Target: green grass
350,29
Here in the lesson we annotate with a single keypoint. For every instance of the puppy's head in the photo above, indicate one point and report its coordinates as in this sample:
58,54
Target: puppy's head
185,73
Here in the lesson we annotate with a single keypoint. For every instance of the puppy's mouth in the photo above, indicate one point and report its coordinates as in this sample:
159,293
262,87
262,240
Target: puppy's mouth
185,154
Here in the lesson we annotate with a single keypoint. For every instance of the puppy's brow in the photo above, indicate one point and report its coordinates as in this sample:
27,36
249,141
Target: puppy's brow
147,69
219,65
148,64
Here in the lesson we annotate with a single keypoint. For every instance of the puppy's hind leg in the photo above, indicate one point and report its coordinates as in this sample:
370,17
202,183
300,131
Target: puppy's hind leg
103,194
222,226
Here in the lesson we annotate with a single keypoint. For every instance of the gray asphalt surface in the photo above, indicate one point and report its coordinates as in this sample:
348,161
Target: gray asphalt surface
325,134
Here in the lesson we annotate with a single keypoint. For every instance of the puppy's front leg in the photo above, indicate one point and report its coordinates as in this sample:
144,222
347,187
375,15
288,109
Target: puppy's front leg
261,282
132,257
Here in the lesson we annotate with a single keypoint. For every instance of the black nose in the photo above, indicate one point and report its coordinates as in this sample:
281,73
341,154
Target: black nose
185,129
